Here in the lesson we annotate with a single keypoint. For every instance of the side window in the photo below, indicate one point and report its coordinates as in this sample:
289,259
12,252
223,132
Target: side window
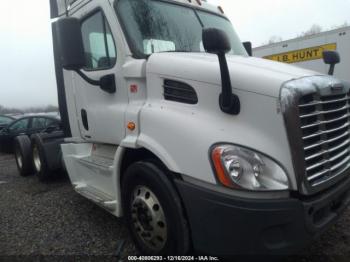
99,46
51,122
20,125
38,123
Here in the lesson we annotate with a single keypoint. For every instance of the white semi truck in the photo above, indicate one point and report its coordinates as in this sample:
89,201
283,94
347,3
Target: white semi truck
168,122
306,52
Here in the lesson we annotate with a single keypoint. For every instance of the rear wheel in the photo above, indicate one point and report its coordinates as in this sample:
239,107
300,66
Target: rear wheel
40,164
36,158
153,211
23,155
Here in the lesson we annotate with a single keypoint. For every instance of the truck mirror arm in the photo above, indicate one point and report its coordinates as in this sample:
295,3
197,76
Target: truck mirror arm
331,70
229,102
106,83
87,79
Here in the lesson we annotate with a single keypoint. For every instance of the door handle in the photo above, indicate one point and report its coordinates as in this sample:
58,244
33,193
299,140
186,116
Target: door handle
84,119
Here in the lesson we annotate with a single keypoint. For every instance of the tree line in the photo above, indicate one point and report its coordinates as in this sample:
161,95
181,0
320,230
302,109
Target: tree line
313,30
35,109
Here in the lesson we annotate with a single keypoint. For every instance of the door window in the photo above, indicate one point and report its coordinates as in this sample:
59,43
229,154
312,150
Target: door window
39,123
99,46
50,122
20,125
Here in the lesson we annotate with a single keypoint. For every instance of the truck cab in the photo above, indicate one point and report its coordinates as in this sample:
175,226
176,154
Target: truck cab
171,124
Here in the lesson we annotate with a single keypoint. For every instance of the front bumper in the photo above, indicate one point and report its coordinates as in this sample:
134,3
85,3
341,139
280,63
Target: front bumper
225,225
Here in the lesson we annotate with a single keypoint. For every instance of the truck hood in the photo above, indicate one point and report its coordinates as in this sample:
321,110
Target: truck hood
247,73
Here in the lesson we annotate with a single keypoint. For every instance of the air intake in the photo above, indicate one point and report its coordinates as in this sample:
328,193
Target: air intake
179,92
326,135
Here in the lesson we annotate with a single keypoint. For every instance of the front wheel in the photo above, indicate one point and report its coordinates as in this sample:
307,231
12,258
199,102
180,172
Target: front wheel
153,211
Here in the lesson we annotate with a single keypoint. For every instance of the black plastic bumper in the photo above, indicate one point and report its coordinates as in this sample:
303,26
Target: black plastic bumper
224,225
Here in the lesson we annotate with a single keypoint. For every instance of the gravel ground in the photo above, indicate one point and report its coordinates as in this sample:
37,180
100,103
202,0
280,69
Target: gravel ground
52,220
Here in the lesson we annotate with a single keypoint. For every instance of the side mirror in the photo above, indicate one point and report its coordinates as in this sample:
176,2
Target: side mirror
71,49
248,48
331,58
70,42
216,41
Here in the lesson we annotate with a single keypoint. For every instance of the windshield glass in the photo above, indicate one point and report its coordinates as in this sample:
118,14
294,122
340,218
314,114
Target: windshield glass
5,120
155,26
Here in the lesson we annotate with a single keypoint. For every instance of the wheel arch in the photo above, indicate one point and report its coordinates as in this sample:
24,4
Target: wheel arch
127,156
132,155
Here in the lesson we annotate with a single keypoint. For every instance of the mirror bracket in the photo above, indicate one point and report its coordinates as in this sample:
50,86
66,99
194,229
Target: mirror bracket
87,79
248,48
106,83
229,102
331,69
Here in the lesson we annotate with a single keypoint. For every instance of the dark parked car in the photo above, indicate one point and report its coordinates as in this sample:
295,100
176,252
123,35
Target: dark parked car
25,126
5,120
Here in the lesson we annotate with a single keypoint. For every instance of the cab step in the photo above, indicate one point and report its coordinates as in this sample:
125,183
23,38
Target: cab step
96,162
97,196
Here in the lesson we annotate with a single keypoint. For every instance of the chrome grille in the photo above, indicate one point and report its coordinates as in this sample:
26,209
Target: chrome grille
325,125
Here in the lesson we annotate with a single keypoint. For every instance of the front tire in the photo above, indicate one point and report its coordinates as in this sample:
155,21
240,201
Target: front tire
153,211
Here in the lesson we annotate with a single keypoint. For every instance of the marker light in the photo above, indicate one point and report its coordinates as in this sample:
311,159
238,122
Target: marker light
131,126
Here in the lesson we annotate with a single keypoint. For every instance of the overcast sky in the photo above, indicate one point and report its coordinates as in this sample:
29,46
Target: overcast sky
26,69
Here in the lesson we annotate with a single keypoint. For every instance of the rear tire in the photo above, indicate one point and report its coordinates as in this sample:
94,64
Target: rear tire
39,161
153,211
23,155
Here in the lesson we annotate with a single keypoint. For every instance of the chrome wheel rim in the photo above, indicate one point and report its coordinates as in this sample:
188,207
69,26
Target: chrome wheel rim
148,218
19,158
36,158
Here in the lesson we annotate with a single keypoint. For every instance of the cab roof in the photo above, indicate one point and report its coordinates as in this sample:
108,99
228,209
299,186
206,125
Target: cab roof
59,7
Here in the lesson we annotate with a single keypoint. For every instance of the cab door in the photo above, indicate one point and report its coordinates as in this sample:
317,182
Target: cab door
100,114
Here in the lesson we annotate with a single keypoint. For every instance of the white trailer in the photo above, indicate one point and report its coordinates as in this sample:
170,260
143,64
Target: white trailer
169,123
307,51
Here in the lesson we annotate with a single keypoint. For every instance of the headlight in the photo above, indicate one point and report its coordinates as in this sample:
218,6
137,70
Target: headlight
241,168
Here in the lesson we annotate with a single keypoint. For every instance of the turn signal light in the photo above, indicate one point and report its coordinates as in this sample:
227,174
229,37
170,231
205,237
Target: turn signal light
131,126
220,169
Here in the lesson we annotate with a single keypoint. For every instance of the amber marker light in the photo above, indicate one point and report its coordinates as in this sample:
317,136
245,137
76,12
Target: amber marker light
131,126
219,168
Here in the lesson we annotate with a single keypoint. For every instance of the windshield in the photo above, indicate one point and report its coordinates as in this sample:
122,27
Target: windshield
5,120
155,26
